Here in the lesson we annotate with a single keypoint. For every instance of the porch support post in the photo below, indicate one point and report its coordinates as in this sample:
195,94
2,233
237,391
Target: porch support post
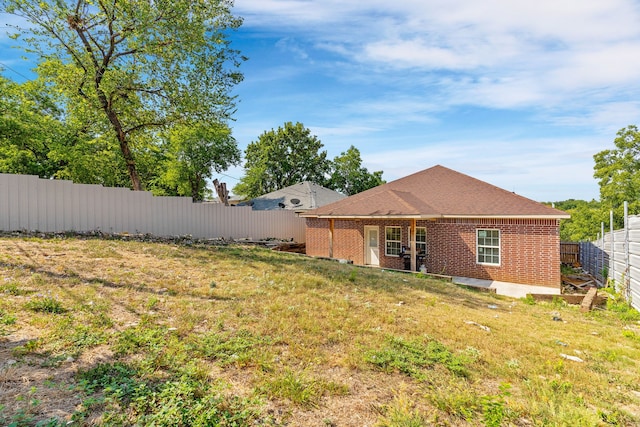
412,243
331,237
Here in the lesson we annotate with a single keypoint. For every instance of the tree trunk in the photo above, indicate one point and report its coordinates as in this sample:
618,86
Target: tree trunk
136,185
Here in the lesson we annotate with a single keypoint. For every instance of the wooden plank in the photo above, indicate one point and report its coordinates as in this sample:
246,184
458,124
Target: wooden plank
599,300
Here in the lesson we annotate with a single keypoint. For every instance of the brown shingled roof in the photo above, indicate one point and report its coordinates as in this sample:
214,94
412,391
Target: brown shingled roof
434,193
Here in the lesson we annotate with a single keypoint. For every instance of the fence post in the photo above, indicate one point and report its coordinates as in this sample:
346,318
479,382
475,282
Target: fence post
627,269
612,257
601,269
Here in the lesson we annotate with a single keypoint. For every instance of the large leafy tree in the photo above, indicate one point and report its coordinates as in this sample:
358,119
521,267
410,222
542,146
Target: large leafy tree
129,69
280,158
30,127
585,220
349,177
618,172
194,151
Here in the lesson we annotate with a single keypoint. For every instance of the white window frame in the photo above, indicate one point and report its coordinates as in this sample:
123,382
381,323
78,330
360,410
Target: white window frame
387,241
481,248
420,245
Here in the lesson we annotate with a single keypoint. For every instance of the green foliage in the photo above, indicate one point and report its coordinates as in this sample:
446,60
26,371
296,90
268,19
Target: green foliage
586,217
618,171
6,318
125,71
25,417
294,386
185,401
281,158
79,336
494,410
291,155
46,305
616,302
414,357
192,403
192,152
240,349
143,337
115,378
30,127
401,413
12,288
349,177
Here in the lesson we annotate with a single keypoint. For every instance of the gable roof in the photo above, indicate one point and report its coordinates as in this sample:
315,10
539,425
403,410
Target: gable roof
298,197
437,192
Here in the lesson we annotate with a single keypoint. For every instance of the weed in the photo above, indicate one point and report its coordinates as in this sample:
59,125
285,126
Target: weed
494,410
240,349
619,305
7,319
12,288
152,303
25,417
616,417
353,275
191,403
45,305
294,386
529,300
558,302
140,338
401,413
412,357
117,380
31,346
456,399
627,334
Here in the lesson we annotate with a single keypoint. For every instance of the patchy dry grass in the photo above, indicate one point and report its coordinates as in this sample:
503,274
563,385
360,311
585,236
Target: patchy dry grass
102,332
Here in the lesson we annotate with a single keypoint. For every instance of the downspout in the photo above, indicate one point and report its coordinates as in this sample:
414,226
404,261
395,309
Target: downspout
331,237
412,244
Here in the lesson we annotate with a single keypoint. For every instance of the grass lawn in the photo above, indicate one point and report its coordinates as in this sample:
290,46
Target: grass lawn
106,332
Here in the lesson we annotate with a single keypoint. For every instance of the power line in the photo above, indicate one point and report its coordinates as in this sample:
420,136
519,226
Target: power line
228,176
15,71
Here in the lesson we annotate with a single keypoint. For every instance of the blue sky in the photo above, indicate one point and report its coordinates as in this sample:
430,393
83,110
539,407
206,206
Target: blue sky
518,94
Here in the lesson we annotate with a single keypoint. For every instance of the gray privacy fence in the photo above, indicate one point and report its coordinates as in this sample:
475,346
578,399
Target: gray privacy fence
30,203
616,256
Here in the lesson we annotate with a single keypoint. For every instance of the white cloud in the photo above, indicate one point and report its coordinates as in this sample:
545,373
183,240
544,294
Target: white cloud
541,169
519,52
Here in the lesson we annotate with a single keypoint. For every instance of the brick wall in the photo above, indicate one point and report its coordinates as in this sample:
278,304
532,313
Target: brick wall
317,237
529,249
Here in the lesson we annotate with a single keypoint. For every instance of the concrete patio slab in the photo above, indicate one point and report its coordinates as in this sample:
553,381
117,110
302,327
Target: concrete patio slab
514,290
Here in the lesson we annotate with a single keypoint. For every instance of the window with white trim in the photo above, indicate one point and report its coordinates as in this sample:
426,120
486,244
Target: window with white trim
393,241
421,240
488,246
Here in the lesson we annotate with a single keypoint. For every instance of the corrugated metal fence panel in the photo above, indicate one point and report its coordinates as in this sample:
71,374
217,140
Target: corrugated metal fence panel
4,202
30,203
598,255
634,261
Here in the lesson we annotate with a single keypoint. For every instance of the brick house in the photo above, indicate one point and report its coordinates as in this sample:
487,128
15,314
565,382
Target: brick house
446,222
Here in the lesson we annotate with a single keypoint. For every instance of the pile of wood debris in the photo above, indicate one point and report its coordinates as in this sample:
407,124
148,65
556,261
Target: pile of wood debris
578,283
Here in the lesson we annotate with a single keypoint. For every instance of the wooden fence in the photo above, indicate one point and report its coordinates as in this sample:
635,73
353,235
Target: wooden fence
616,256
34,204
570,253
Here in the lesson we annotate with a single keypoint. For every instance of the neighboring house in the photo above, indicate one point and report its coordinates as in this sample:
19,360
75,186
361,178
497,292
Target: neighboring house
298,197
460,226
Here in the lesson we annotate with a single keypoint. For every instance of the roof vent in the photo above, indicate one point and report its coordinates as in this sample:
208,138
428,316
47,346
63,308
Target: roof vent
295,201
